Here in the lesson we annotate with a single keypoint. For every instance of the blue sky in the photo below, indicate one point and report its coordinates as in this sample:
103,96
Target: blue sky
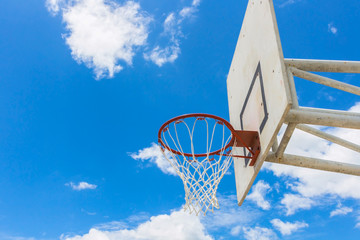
86,85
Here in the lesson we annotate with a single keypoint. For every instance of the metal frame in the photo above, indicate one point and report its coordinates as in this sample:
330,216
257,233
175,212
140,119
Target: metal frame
298,116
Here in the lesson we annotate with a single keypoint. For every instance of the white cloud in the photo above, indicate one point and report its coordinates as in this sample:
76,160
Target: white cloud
196,3
173,31
130,222
287,228
259,233
332,29
54,6
340,211
293,202
230,215
358,222
88,213
235,231
105,35
154,155
258,195
81,186
160,56
111,226
102,33
178,226
170,24
187,12
288,2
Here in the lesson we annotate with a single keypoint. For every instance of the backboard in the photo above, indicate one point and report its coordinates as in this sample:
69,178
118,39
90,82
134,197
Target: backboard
257,85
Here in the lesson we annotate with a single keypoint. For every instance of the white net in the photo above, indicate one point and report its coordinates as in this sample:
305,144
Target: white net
200,173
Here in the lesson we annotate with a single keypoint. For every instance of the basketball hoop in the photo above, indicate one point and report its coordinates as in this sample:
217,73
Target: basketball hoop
201,170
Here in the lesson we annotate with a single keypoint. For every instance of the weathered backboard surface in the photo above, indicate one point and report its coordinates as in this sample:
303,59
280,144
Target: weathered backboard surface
258,91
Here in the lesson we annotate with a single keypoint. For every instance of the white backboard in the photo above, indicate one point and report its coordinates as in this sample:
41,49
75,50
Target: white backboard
258,91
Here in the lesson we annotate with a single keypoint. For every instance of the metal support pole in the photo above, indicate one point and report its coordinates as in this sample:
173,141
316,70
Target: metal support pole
275,145
295,103
330,111
315,163
324,65
329,137
326,81
285,140
324,118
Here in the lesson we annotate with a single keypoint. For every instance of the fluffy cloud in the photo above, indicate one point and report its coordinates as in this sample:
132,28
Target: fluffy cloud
340,211
81,186
258,195
111,226
288,2
102,33
332,29
259,233
178,226
160,56
228,219
230,215
293,202
287,228
105,35
189,11
235,231
155,156
54,6
173,31
358,222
